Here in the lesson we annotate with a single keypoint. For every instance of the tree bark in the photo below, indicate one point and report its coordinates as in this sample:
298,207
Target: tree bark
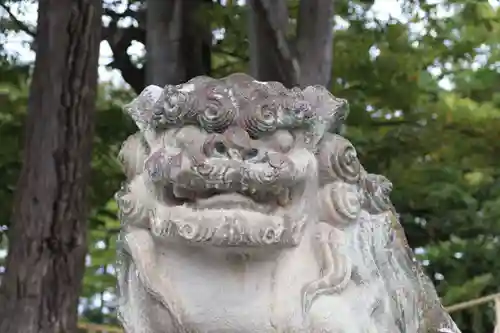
271,57
301,61
47,239
315,41
177,41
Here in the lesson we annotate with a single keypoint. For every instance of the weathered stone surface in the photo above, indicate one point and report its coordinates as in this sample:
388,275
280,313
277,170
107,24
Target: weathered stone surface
245,210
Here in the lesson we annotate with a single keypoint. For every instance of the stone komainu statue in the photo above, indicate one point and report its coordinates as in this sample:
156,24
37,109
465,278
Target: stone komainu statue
245,211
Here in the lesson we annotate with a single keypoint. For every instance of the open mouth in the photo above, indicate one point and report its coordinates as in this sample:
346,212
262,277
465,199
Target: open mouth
246,217
262,201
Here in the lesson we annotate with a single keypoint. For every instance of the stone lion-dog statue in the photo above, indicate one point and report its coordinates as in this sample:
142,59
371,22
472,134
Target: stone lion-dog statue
246,211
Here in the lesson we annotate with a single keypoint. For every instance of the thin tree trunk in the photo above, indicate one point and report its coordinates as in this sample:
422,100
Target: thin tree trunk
303,60
178,41
315,41
47,239
268,61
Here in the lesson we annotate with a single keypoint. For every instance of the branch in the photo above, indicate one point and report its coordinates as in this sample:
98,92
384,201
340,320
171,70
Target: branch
119,40
470,132
21,25
472,303
138,15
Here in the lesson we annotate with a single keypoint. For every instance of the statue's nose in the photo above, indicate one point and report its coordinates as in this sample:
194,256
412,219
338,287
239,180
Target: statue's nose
222,148
235,153
249,154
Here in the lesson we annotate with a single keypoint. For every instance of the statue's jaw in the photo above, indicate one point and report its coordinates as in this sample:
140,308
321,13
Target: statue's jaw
231,220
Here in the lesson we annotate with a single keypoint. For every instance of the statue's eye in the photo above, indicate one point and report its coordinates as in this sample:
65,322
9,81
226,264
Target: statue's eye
220,148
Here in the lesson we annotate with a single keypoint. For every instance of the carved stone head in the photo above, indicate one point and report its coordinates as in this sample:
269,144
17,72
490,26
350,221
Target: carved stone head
232,162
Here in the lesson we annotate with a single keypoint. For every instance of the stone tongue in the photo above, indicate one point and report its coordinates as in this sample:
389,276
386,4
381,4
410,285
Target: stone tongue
232,200
212,218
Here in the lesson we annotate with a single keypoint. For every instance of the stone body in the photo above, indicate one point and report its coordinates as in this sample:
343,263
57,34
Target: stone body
245,211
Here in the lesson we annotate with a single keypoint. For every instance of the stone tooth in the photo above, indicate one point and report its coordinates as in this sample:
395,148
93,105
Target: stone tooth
284,197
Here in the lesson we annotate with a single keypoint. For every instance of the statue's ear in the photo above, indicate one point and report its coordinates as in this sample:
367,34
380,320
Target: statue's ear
331,111
141,108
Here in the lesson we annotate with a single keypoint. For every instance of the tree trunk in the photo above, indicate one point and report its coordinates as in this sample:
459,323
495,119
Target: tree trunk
269,63
178,41
47,238
315,41
305,60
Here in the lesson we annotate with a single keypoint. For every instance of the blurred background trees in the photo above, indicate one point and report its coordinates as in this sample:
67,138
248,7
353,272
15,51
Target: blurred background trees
422,79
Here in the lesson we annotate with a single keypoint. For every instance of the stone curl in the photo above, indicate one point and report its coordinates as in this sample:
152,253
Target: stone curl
341,203
260,118
337,160
131,211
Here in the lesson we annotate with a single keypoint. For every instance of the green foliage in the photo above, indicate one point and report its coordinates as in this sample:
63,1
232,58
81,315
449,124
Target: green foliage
435,134
13,100
438,146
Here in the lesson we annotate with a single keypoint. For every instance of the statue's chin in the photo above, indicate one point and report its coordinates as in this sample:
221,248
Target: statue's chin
229,220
